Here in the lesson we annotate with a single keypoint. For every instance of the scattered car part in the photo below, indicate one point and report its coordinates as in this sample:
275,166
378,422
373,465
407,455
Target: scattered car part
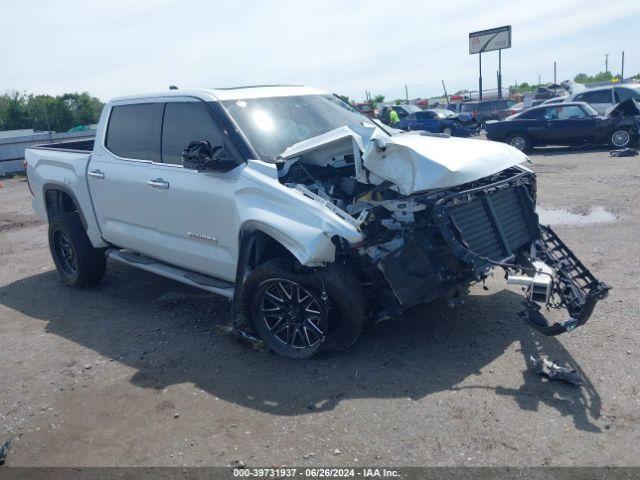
553,371
623,152
4,450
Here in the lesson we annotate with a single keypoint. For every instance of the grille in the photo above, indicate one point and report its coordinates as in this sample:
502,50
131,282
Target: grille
495,226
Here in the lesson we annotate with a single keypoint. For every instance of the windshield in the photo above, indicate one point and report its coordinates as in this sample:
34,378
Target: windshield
445,113
273,124
469,107
412,108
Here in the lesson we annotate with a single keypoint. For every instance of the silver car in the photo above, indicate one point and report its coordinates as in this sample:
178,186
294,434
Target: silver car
603,98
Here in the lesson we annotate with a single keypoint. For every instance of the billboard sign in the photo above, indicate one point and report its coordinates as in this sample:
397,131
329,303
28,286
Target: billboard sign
488,40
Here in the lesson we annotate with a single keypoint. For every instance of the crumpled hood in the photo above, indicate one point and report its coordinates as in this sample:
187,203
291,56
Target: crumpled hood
413,161
416,162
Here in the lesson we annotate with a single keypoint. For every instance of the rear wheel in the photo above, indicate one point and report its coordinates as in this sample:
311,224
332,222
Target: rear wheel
298,313
620,138
79,264
519,141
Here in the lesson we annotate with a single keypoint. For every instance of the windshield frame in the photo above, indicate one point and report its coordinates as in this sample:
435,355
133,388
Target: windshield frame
365,120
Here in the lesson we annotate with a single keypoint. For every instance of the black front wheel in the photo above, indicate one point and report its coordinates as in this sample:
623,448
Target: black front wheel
79,264
519,141
298,311
620,138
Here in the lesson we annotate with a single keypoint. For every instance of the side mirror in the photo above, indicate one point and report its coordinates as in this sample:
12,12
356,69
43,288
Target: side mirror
200,155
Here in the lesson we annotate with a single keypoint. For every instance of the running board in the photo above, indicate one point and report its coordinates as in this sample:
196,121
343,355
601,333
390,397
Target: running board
187,277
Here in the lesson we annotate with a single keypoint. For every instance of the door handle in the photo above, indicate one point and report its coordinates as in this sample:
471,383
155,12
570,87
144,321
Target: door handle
96,174
158,183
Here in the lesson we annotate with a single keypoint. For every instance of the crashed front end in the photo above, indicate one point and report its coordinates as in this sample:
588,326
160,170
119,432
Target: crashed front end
433,226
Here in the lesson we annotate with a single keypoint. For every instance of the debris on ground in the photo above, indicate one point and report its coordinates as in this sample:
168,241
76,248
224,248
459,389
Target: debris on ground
243,334
553,371
4,450
623,152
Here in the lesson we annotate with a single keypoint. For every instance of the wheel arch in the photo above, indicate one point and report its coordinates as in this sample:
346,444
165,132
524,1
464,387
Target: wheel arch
257,245
60,199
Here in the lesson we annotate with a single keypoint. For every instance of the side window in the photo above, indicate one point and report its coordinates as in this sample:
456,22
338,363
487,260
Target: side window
601,96
551,113
623,94
185,122
133,131
427,115
401,112
532,114
572,111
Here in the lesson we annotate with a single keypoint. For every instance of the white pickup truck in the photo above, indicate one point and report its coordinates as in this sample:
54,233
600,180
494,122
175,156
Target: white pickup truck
310,216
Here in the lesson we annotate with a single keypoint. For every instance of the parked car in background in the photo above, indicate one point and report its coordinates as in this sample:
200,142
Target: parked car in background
554,100
455,107
364,107
575,123
603,98
401,110
521,107
487,109
440,121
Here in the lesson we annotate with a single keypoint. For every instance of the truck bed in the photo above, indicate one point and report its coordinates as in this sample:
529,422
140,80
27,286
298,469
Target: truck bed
85,146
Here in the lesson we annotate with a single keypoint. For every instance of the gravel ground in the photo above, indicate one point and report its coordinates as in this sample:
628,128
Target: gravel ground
134,372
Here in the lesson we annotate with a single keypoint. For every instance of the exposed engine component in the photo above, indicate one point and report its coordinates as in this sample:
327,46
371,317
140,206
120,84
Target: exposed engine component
434,244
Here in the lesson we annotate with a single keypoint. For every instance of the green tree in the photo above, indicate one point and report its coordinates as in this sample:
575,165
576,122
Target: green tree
598,77
45,112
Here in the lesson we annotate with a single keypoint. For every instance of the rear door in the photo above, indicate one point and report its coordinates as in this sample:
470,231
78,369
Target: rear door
118,173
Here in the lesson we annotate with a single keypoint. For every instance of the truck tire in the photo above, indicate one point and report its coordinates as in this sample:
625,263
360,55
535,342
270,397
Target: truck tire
620,138
297,314
519,141
79,264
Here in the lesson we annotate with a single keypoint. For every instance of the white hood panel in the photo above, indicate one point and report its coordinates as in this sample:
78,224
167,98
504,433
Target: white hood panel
415,162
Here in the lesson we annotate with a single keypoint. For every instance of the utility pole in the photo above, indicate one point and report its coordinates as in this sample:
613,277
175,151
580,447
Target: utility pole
499,74
606,62
480,78
555,78
539,80
622,73
406,93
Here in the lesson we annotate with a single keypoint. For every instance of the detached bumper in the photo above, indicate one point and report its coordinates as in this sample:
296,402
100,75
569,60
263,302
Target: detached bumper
496,225
573,287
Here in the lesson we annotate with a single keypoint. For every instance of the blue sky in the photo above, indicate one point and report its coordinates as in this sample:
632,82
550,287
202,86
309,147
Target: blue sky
117,47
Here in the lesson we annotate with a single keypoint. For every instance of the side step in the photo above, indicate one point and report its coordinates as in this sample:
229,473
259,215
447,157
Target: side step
187,277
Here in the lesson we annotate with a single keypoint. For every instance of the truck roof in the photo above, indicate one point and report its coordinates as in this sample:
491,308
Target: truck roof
230,93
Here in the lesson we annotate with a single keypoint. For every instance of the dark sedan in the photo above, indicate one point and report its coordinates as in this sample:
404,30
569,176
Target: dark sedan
574,123
440,121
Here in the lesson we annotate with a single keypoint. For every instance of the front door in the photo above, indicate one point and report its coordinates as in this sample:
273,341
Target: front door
569,125
195,210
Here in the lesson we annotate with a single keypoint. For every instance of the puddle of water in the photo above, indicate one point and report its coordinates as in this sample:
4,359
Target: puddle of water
565,217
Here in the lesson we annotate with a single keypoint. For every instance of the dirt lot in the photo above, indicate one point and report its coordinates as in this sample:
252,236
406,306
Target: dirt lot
134,373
